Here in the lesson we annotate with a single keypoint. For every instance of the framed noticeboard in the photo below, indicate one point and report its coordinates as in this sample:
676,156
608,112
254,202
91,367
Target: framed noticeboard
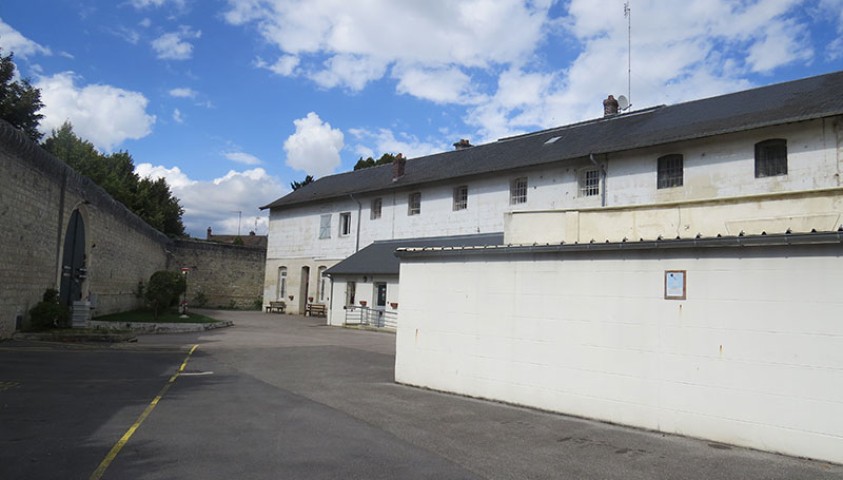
675,284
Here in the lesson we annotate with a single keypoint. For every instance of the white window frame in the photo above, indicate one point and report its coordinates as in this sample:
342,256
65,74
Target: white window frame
345,224
414,204
461,198
322,283
589,182
282,283
518,191
670,171
376,209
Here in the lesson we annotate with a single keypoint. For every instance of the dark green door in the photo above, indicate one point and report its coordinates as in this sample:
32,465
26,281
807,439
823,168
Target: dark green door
73,271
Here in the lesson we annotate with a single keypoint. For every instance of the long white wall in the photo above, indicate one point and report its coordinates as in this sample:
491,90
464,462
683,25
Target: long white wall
752,357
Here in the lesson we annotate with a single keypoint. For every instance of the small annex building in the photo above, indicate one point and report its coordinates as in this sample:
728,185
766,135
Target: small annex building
365,286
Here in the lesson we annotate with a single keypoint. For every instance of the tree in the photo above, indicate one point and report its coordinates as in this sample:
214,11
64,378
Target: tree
297,185
150,199
164,289
370,162
19,100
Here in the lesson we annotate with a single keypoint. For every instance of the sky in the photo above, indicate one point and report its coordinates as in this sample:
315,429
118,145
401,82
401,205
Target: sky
231,100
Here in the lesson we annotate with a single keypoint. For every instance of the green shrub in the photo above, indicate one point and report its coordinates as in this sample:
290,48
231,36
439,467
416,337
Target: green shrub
164,289
257,304
200,299
48,313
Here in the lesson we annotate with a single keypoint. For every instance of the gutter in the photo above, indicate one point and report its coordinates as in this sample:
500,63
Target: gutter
359,213
784,239
603,174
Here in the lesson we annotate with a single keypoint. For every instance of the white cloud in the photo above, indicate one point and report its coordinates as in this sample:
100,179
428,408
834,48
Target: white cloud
348,44
102,114
439,85
177,116
220,203
183,92
315,147
284,66
13,41
141,4
173,45
243,157
376,143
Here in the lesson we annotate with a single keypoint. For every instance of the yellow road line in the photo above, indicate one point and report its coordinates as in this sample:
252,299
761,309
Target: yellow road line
112,454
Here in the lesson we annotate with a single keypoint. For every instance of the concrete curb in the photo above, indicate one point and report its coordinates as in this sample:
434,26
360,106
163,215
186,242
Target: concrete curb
151,327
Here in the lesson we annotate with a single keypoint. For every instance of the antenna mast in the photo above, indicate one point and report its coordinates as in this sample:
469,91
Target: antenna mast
627,13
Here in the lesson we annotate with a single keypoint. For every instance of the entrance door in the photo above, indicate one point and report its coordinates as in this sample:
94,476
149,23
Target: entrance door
380,302
73,271
303,290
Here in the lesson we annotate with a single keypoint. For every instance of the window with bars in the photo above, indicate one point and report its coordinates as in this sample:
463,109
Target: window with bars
377,206
518,191
414,204
589,182
461,198
345,223
325,226
771,158
670,171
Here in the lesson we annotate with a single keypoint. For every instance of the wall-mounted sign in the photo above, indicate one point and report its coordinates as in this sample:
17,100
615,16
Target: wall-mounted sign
674,284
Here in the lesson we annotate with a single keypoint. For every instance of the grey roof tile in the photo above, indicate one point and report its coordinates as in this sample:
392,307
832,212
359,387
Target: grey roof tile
379,257
809,98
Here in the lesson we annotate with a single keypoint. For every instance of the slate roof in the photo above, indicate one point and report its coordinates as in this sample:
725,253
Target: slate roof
799,100
379,257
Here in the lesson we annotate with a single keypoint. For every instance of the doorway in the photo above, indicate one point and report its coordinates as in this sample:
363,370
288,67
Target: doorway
304,288
73,269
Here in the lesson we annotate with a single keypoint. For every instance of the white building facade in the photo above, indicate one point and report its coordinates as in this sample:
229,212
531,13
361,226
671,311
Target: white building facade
782,140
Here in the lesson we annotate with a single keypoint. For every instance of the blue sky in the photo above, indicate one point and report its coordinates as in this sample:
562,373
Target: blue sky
232,100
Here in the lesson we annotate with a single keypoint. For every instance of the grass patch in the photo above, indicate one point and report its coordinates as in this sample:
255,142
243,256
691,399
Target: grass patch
146,316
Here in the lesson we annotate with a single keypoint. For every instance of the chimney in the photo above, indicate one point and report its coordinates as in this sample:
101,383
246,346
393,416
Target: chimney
398,167
610,107
209,234
463,144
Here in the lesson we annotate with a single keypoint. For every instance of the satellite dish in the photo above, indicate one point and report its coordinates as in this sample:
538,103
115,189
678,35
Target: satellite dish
623,102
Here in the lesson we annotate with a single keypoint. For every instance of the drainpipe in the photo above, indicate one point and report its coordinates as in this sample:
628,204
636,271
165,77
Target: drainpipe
359,213
602,179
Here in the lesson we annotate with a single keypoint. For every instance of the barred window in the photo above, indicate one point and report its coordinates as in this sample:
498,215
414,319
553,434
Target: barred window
771,158
518,191
589,182
670,171
461,198
377,206
325,226
282,283
414,204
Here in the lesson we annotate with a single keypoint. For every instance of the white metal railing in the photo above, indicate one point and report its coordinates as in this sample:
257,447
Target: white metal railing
373,317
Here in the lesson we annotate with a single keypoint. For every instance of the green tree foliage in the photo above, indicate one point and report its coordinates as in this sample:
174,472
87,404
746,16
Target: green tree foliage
385,159
164,289
150,199
297,185
19,100
48,313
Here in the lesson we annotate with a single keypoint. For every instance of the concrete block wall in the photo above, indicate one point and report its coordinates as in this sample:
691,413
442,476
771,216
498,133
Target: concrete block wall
751,357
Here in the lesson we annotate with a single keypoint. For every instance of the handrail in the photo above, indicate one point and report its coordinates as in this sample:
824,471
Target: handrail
373,317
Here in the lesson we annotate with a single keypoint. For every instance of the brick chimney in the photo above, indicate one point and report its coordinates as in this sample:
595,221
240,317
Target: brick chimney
462,144
398,167
610,107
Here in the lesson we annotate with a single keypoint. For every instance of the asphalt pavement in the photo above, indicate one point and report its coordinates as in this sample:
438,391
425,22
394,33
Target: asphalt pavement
284,397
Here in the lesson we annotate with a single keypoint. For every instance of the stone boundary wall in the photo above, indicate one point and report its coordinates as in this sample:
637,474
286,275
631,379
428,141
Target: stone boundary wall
38,194
226,275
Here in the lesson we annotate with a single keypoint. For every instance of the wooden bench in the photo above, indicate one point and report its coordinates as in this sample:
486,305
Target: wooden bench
277,307
316,310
